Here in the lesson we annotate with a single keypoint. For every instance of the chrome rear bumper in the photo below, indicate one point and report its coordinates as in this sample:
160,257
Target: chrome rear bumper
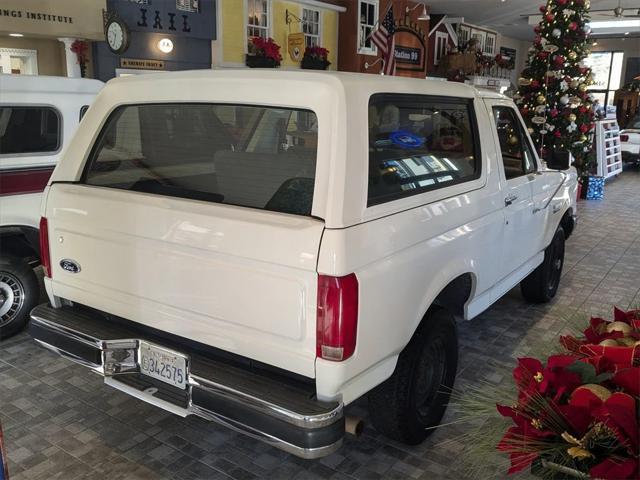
280,413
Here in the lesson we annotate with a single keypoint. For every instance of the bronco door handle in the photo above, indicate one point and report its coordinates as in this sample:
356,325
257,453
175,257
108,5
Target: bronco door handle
509,199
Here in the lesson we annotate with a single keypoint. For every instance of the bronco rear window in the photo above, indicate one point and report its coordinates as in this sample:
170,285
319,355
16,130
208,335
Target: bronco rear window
419,143
251,156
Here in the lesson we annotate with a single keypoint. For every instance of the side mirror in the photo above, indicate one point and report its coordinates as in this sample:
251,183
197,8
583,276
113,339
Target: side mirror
559,160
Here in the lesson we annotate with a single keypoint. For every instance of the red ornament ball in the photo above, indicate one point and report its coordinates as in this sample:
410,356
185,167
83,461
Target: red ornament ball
559,59
554,112
535,83
573,26
562,2
543,8
584,128
537,29
557,134
549,17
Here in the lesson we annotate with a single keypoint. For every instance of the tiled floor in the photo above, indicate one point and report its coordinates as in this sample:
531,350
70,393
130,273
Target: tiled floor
61,422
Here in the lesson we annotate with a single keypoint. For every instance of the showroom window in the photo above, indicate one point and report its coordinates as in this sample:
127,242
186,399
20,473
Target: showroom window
367,24
25,130
419,143
250,156
606,68
517,155
258,18
311,27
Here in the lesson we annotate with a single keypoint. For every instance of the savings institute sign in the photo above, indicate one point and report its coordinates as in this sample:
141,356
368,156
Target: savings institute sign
60,18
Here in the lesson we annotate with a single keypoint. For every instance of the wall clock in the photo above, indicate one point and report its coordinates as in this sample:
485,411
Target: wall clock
117,35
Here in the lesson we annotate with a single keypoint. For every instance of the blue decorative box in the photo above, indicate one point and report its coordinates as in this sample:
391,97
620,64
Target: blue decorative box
595,188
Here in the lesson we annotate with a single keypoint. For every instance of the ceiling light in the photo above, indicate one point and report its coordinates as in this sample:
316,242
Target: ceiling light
627,33
614,24
16,35
595,44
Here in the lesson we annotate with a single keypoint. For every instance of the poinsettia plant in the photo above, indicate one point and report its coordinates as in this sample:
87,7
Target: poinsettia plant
81,49
577,414
317,53
265,47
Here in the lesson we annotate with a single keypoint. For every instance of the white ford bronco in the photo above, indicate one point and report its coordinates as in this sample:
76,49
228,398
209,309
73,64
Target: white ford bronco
263,250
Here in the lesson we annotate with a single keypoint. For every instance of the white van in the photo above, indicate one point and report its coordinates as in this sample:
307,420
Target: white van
38,116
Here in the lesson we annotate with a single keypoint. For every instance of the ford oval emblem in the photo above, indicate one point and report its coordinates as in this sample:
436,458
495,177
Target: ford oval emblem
69,265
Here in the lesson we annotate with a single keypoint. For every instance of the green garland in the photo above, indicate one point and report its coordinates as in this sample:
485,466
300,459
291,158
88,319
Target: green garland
553,94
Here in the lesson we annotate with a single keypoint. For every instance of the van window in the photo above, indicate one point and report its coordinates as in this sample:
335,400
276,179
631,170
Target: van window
419,143
251,156
25,130
83,110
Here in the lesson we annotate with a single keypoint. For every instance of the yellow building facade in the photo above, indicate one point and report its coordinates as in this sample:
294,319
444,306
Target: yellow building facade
238,20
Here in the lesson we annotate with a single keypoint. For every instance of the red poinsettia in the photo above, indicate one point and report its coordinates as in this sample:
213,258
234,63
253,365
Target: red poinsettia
267,47
81,49
317,53
586,402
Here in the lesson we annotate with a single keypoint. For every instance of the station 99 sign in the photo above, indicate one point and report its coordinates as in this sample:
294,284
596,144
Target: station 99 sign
410,55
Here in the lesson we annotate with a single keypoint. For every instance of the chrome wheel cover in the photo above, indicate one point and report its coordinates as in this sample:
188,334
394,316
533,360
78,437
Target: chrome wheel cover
11,297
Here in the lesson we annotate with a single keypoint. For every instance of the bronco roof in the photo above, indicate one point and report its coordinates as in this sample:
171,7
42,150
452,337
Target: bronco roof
344,80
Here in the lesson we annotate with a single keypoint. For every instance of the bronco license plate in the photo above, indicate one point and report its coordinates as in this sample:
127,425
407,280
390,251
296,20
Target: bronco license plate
165,365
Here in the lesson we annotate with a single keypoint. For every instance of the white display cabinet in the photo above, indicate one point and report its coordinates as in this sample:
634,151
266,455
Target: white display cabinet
609,153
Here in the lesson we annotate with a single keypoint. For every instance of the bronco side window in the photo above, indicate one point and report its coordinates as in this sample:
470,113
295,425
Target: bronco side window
419,143
517,155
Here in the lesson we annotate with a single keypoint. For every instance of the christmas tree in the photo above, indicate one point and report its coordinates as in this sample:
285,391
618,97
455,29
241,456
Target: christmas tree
553,94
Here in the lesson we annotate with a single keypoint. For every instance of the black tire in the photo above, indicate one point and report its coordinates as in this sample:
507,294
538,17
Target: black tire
19,293
541,285
415,397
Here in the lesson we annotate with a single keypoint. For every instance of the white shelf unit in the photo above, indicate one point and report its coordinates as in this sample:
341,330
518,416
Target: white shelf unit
608,148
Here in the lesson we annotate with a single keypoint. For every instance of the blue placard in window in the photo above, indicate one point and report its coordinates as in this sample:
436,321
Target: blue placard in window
405,139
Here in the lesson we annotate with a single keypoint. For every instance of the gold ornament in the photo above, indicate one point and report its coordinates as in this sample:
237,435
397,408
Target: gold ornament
625,328
579,453
598,390
574,83
541,99
609,342
582,87
572,118
590,79
530,130
513,140
583,138
572,55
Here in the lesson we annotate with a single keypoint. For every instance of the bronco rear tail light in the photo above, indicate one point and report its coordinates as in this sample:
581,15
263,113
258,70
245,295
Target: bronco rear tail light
45,258
337,317
624,138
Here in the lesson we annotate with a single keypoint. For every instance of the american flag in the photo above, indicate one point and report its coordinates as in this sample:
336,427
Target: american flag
384,39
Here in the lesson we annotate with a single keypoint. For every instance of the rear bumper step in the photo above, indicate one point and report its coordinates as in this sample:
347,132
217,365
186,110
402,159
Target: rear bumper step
267,409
